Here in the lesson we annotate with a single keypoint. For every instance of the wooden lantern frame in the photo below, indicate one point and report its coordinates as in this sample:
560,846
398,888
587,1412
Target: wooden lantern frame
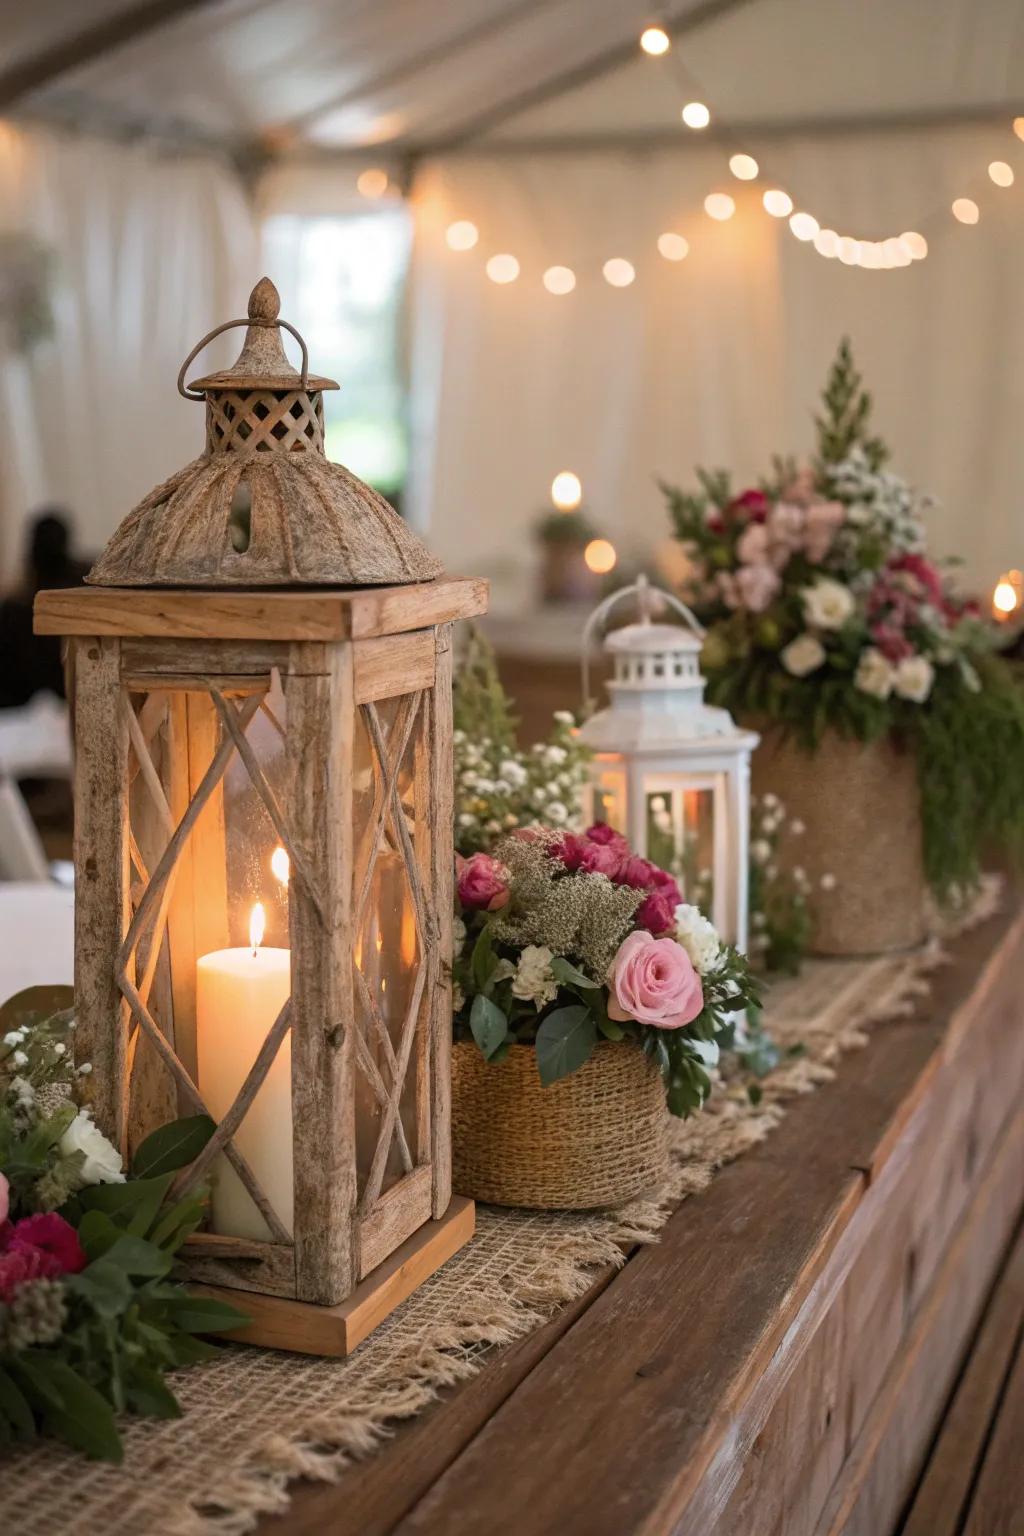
198,667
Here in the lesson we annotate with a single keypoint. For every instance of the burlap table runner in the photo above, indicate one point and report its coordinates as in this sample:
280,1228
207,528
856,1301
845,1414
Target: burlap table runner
253,1419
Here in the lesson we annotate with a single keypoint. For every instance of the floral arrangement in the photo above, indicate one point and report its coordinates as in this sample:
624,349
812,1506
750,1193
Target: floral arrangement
90,1317
825,612
566,939
499,787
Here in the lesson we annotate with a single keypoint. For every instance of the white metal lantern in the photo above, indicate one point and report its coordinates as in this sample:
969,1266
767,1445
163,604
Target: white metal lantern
671,772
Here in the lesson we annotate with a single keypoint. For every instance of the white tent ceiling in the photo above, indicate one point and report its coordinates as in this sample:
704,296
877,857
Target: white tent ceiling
287,75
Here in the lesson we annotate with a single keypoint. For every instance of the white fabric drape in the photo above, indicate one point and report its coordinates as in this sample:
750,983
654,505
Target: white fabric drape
150,251
718,359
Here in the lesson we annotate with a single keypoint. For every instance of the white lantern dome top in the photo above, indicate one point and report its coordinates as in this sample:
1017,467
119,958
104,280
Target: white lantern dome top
656,693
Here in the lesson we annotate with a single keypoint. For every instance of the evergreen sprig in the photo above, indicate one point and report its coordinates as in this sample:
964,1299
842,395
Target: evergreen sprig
843,423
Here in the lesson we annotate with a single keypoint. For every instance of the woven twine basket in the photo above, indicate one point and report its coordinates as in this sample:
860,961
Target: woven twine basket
596,1138
861,806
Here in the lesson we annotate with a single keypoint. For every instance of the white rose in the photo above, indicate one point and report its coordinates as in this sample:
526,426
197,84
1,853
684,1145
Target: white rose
102,1163
914,678
514,773
874,674
557,813
555,755
533,981
565,717
698,936
760,851
803,655
827,604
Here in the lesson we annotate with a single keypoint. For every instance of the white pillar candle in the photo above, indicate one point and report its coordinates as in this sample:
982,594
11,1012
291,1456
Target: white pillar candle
239,994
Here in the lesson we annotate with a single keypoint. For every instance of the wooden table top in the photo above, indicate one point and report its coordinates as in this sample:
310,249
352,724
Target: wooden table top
619,1402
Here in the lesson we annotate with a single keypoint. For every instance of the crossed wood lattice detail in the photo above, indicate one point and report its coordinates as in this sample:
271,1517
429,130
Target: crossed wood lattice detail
263,419
140,949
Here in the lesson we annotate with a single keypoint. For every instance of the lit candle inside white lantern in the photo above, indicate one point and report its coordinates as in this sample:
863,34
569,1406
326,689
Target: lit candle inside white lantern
239,994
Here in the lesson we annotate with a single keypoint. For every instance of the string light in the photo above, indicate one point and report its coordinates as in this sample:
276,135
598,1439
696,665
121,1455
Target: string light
462,235
826,243
1018,127
502,269
719,205
916,244
559,280
372,183
779,204
1001,173
600,557
673,247
804,225
744,167
849,255
566,490
966,210
696,115
655,41
619,274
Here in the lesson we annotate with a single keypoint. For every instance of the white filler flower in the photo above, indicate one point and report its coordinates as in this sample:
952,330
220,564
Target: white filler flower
914,678
534,982
102,1163
827,604
803,655
698,936
874,674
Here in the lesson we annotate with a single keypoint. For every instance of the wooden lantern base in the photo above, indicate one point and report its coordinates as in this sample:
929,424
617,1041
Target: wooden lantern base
278,1323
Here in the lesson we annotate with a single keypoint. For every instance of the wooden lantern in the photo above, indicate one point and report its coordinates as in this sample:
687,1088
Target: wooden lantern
278,759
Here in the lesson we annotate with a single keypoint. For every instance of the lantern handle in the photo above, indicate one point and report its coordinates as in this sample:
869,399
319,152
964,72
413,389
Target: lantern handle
642,589
285,325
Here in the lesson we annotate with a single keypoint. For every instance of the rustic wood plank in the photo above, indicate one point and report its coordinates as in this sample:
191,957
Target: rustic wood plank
317,614
435,818
101,893
998,1503
319,745
236,1264
403,1208
940,1501
751,1250
394,664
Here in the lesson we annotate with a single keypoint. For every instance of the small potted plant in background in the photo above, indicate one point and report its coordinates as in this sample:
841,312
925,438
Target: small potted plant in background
563,535
588,996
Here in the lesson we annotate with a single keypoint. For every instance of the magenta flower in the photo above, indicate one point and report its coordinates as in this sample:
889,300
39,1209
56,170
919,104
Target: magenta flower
51,1236
482,883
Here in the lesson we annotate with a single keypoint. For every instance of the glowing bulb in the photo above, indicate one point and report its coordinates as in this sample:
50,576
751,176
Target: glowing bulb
719,205
618,272
559,280
804,226
280,865
744,167
849,253
673,247
655,41
462,235
966,210
896,253
779,204
1001,173
502,269
372,183
872,255
916,244
826,243
696,115
600,557
1018,127
1006,598
257,926
566,491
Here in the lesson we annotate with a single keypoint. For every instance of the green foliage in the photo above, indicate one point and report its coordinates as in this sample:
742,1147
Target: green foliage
482,709
573,528
565,1040
844,420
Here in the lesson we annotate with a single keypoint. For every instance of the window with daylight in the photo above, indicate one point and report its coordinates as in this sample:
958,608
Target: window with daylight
342,277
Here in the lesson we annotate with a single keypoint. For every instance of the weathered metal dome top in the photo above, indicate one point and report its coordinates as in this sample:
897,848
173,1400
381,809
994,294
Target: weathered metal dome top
262,506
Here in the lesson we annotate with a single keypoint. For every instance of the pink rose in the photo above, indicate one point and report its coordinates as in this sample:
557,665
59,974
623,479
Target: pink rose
5,1199
602,859
639,872
923,572
569,851
653,981
601,832
751,504
752,544
801,488
786,527
824,519
757,585
53,1238
482,883
657,912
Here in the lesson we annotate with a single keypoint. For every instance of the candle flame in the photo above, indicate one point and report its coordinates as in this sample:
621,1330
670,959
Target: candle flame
257,926
280,864
1006,598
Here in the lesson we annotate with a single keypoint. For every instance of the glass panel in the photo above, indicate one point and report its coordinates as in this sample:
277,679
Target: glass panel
609,794
389,996
680,827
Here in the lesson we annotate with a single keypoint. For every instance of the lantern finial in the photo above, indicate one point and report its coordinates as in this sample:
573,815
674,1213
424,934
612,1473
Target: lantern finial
264,301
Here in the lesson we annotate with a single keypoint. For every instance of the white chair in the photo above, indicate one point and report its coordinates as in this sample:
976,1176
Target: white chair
34,743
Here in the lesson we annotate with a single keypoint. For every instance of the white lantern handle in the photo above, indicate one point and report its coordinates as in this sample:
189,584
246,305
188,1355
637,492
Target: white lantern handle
642,589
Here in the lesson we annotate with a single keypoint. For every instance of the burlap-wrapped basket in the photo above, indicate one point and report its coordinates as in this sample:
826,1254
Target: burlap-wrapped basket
598,1137
861,806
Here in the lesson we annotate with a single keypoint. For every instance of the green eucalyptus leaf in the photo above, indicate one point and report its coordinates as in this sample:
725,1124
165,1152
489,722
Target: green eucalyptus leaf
202,1314
146,1392
483,961
565,1040
86,1420
104,1287
14,1409
178,1222
97,1233
566,973
172,1146
138,1257
133,1204
488,1023
611,1028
